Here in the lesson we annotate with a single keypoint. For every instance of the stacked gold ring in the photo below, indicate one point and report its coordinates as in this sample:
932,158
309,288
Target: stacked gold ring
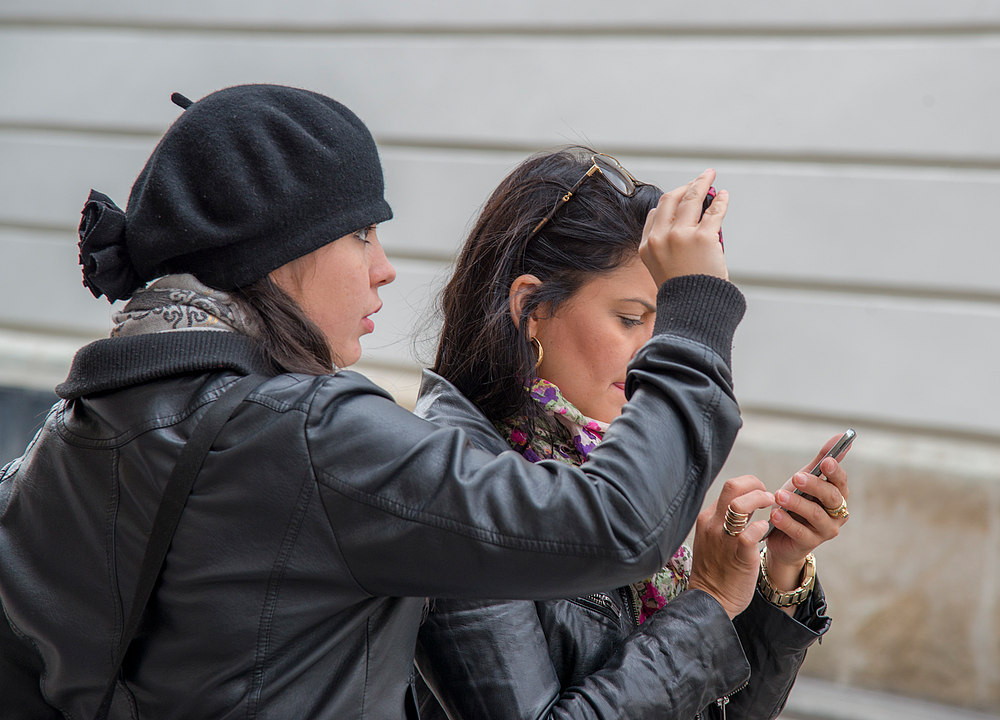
839,512
736,522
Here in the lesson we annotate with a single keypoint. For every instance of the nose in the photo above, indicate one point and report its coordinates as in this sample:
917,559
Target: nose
381,270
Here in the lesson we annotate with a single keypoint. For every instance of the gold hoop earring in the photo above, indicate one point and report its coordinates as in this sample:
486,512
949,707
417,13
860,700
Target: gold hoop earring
538,347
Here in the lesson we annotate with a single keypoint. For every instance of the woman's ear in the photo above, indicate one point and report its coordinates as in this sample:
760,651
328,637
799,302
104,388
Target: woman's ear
519,290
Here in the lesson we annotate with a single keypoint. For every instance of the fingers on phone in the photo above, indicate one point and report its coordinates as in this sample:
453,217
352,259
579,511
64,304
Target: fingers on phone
812,512
800,533
826,492
827,446
750,502
690,207
836,476
712,219
754,533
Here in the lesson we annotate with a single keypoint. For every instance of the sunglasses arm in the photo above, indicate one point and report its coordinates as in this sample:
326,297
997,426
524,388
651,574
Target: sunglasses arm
563,200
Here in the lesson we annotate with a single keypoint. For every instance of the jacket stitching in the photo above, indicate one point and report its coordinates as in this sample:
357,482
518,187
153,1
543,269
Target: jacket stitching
112,554
368,649
271,596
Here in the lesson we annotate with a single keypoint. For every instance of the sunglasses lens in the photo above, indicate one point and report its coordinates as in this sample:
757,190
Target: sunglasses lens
615,175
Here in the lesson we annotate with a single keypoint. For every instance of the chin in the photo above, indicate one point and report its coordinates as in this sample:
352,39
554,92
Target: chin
348,357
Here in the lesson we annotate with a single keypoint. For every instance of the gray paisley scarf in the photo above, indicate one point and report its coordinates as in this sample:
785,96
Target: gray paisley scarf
180,302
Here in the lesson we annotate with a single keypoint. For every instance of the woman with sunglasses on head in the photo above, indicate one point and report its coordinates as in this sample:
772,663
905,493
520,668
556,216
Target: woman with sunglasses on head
218,521
549,302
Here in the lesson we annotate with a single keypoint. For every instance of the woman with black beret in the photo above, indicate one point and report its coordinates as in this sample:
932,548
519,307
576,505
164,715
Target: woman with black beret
218,521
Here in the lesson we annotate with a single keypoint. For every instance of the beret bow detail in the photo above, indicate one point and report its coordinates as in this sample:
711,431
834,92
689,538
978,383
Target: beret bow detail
107,267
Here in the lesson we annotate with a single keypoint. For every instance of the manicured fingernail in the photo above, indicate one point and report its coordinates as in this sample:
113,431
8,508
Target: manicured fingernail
799,480
777,515
782,497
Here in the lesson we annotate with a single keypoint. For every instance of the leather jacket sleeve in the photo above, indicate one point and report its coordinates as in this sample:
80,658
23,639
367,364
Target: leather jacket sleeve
417,511
494,665
775,646
491,660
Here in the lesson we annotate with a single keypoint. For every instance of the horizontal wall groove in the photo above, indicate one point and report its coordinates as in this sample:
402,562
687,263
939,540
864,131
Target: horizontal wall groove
861,422
39,227
79,129
652,153
408,254
55,333
711,154
276,28
855,290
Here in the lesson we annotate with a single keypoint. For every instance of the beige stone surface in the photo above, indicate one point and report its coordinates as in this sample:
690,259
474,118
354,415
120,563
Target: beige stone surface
913,580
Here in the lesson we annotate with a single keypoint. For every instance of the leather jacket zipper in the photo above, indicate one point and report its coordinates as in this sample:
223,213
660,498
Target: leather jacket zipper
724,700
601,603
630,600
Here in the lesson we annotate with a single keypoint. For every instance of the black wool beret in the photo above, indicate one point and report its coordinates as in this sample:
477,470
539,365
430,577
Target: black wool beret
246,180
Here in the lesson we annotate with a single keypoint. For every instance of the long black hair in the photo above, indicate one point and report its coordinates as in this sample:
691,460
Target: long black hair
481,350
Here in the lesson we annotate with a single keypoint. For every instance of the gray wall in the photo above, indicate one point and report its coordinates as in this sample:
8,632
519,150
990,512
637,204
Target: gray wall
858,141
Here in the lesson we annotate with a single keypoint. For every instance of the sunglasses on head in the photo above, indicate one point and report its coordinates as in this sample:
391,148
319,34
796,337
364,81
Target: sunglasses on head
600,164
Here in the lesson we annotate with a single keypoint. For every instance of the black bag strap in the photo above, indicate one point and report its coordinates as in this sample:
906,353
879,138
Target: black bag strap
175,496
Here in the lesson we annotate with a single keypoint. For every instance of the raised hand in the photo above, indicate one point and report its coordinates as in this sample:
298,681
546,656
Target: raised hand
678,240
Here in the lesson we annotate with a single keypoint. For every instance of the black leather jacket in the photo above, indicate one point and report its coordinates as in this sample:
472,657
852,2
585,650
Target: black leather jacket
586,657
322,518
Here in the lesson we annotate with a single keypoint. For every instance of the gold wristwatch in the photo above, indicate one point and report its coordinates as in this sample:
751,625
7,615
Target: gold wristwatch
793,597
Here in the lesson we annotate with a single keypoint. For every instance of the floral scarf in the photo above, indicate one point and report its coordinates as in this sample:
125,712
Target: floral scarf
569,437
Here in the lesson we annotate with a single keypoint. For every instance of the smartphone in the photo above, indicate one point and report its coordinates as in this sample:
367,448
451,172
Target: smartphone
836,452
712,192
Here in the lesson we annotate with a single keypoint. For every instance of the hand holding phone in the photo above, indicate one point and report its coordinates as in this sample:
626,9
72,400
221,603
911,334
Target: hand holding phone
836,452
712,192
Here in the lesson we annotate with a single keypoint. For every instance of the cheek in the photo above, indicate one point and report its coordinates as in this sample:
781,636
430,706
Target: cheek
610,352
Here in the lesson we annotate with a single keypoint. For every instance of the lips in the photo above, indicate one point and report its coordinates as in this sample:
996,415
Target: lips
620,386
367,322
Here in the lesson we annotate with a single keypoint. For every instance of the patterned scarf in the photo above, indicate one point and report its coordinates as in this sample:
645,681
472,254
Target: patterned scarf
568,436
179,302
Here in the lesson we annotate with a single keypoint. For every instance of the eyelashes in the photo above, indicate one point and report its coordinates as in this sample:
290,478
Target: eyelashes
362,234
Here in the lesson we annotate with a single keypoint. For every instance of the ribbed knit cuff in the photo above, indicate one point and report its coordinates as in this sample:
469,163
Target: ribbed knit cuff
704,308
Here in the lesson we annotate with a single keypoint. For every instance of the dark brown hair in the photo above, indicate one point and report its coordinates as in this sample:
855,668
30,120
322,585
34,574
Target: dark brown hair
290,341
481,351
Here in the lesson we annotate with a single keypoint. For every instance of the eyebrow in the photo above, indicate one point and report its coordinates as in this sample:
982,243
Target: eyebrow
650,308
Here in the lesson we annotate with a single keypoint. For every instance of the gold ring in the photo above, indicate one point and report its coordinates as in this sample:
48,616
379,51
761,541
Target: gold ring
839,512
736,522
